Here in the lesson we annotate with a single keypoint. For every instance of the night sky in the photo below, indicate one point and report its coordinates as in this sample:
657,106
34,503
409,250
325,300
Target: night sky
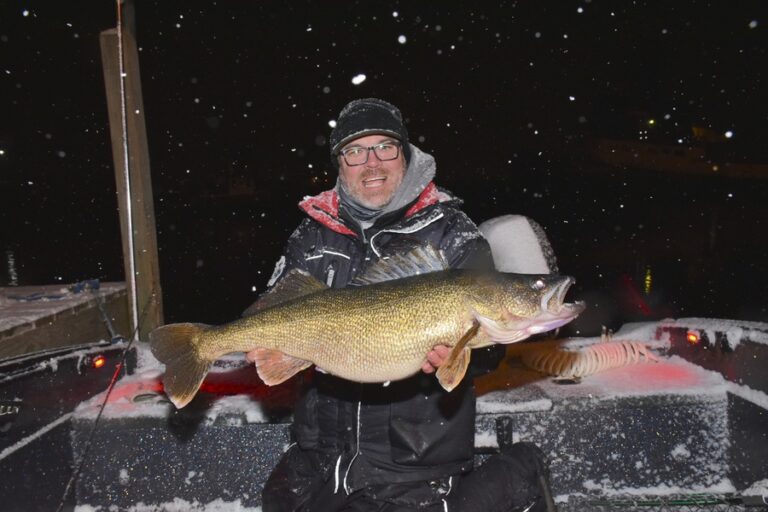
238,98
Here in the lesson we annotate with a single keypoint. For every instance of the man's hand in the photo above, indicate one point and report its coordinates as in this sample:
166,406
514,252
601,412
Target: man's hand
435,358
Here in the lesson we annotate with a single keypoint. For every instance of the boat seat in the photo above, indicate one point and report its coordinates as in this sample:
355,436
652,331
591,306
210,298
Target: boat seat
519,245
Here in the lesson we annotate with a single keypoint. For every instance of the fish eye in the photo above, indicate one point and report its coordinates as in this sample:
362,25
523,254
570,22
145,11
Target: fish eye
539,284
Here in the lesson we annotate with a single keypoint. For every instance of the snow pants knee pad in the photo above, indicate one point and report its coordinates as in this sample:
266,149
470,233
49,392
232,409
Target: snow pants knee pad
507,482
295,480
528,458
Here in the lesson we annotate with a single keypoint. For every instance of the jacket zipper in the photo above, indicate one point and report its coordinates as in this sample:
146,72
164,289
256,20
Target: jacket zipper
357,450
410,229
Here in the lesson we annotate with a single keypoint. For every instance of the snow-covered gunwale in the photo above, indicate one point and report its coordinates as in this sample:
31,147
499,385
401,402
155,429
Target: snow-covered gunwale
659,431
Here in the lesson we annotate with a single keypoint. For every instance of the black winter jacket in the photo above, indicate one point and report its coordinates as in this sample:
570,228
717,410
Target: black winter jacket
369,435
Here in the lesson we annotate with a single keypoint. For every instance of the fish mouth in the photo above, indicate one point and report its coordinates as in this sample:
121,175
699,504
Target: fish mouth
555,312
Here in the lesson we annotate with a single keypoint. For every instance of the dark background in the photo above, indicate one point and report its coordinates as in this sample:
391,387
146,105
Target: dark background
238,96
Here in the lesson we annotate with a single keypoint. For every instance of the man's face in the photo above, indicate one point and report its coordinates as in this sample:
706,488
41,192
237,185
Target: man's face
374,183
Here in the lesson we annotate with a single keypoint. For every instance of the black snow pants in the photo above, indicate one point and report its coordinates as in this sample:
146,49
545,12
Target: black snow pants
510,481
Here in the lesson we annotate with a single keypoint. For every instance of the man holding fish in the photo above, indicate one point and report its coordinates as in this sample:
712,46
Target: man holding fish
386,288
407,445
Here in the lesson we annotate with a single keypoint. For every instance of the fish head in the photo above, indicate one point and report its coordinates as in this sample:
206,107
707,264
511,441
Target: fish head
527,304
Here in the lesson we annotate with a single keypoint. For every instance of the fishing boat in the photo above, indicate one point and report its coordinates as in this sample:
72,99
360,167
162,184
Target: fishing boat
677,421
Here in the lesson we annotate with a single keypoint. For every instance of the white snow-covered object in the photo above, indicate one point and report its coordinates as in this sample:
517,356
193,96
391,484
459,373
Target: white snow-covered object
518,245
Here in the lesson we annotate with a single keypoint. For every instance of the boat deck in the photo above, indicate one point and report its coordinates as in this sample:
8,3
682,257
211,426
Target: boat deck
38,318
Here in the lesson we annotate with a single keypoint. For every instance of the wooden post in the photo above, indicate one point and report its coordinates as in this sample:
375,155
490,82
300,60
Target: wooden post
148,300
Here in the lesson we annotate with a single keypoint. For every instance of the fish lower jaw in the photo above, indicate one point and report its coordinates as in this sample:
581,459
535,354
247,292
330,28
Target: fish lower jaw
552,320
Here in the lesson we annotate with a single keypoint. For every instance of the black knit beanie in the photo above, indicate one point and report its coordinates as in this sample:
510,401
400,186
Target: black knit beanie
368,116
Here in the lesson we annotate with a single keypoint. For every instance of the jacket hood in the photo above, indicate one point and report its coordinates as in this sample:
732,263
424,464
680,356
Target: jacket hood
417,189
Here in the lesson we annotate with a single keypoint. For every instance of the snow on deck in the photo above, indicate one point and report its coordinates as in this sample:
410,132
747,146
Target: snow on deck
22,307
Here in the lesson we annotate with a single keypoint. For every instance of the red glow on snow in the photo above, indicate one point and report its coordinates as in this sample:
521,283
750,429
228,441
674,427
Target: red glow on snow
646,378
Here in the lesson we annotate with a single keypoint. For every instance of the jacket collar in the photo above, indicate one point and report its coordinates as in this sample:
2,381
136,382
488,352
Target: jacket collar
324,207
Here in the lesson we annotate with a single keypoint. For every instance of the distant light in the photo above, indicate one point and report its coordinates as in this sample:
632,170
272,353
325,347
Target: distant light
651,122
99,361
572,98
2,152
253,288
753,24
358,79
309,29
25,13
728,134
647,281
402,39
332,123
395,14
693,337
580,10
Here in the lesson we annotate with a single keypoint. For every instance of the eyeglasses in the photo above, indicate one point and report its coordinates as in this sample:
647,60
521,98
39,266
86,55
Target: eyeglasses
358,155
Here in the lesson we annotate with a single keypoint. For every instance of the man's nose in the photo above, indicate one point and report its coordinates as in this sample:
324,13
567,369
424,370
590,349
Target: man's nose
373,159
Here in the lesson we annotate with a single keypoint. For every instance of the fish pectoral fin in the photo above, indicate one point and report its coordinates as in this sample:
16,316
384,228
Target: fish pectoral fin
274,366
452,371
501,332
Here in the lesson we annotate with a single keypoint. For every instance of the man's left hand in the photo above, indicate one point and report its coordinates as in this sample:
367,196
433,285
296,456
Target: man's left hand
435,358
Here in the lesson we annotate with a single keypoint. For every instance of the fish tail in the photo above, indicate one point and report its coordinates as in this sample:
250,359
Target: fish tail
185,368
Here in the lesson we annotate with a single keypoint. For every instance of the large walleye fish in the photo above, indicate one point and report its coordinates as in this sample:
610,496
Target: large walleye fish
378,329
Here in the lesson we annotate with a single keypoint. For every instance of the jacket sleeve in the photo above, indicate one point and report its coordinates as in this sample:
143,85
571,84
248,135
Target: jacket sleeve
292,258
465,247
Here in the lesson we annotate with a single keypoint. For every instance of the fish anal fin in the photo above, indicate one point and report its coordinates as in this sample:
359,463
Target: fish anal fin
452,371
296,283
275,367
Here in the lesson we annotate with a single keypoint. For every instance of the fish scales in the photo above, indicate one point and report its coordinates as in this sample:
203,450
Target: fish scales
368,334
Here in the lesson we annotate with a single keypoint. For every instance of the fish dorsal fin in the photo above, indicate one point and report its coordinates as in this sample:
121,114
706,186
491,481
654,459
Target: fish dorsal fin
421,260
296,283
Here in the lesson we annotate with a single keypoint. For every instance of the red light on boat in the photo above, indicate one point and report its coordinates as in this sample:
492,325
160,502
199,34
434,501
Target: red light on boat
99,361
693,338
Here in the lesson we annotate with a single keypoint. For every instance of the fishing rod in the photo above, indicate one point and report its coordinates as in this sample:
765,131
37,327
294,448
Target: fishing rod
127,175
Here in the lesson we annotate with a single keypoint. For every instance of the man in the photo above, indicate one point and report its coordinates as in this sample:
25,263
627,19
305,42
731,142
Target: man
409,445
